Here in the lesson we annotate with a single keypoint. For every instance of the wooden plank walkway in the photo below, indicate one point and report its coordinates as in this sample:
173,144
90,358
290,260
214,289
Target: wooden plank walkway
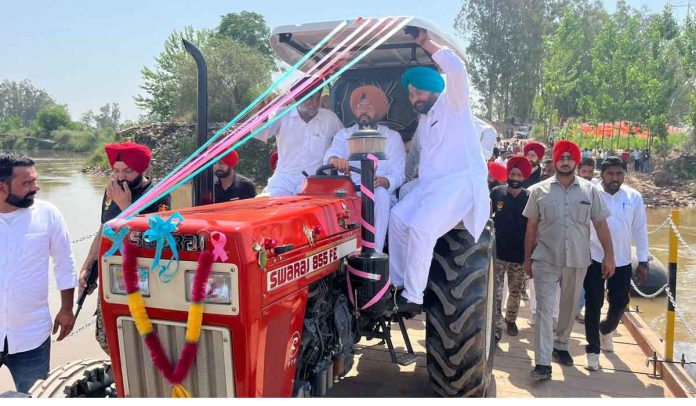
623,374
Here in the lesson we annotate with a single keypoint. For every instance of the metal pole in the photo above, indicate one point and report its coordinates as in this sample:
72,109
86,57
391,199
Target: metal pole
367,187
673,251
203,183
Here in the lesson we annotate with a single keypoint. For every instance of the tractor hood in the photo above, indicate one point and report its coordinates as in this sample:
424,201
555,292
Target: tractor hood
292,42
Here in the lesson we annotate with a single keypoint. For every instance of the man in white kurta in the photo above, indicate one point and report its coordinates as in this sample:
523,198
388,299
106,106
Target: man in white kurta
452,174
369,105
303,136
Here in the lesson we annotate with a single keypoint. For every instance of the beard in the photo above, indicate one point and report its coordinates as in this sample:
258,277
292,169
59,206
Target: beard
223,174
365,121
134,184
568,172
21,202
306,111
514,184
612,187
423,107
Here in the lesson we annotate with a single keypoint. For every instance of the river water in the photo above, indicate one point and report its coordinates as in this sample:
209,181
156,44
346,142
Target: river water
78,196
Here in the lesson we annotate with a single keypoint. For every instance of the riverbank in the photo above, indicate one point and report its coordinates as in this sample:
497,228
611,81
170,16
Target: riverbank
674,195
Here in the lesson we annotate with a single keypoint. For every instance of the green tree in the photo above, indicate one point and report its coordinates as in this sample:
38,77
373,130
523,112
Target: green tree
9,123
23,100
248,28
236,74
52,118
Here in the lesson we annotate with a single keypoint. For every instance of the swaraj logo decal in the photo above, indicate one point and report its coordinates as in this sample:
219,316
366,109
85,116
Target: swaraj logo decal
288,273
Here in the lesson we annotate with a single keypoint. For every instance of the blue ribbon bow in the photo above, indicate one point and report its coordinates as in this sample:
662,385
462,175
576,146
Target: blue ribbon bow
117,239
161,231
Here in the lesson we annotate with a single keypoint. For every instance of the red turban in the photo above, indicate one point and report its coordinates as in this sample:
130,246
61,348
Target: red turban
230,159
538,149
563,146
273,161
520,163
135,156
497,171
375,96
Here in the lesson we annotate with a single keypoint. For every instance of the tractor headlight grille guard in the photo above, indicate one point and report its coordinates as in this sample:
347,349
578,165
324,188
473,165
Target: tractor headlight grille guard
211,375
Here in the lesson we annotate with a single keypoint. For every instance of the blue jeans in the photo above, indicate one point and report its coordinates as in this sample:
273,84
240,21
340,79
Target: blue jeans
29,366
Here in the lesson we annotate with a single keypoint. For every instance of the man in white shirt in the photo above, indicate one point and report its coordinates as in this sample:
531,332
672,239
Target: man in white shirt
452,173
303,136
627,223
31,230
369,105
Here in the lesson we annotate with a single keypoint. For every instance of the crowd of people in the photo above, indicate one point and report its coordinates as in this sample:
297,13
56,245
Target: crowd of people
560,230
570,234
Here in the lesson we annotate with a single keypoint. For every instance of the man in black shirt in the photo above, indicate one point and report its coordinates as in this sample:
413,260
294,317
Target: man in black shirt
230,185
128,161
507,203
534,151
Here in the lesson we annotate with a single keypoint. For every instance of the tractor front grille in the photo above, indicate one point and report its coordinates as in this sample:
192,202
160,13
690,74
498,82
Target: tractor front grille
210,375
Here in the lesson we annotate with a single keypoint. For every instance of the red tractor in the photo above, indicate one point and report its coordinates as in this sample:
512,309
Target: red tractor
285,307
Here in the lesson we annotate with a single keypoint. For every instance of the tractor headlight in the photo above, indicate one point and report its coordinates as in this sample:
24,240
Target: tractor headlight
218,288
118,285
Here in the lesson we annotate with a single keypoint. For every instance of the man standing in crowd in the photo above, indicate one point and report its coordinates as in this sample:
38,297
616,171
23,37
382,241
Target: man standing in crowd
452,173
507,203
627,223
230,185
31,230
548,169
534,151
497,175
637,159
560,212
303,136
586,169
128,162
369,105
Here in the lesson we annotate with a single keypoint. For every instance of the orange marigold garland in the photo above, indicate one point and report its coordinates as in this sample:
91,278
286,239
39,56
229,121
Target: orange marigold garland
175,375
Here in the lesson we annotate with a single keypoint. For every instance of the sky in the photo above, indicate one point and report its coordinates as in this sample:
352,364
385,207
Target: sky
89,53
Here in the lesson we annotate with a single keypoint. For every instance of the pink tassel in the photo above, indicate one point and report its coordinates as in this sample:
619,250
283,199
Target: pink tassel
130,268
188,355
205,264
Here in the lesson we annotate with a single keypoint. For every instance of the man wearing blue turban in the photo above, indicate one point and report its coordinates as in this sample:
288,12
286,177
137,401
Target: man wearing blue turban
452,173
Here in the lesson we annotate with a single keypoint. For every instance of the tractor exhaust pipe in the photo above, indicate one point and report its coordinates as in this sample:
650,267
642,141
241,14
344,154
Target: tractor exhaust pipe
203,183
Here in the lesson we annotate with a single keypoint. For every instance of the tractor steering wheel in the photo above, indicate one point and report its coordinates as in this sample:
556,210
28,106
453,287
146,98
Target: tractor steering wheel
321,171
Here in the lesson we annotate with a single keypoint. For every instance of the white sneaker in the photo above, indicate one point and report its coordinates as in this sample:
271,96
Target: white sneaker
532,320
606,343
592,362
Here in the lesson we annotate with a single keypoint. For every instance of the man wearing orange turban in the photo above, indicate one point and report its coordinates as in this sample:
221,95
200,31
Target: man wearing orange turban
369,105
534,151
507,203
229,184
560,214
128,162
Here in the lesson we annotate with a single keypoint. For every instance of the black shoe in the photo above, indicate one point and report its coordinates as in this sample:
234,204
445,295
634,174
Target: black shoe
541,373
511,328
497,336
404,306
562,357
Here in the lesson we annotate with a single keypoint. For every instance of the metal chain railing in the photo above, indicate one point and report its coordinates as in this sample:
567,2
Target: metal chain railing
647,296
664,224
72,333
86,237
681,239
679,313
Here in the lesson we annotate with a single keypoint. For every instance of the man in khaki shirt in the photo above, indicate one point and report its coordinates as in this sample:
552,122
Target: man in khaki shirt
557,251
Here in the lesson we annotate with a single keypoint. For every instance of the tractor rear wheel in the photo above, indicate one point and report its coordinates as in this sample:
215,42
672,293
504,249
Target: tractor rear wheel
87,378
459,306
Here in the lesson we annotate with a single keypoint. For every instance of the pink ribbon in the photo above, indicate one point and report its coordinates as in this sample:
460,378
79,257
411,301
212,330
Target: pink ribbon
369,276
218,240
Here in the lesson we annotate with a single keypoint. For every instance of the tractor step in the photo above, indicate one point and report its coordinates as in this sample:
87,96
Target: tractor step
406,359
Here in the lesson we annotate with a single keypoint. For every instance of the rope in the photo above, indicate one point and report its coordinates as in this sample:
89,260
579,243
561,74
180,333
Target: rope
667,221
645,295
679,236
